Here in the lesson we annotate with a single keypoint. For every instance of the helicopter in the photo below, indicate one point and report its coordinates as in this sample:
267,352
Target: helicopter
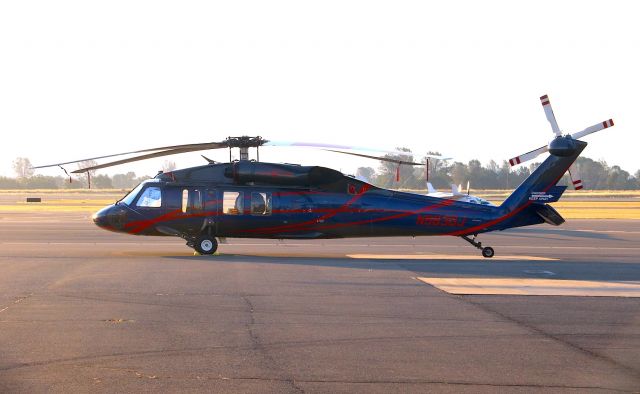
456,194
253,199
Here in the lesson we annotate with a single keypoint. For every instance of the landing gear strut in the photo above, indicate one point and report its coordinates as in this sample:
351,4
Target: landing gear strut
487,251
205,243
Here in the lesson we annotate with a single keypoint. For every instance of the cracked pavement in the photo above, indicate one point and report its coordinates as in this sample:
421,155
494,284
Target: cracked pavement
90,310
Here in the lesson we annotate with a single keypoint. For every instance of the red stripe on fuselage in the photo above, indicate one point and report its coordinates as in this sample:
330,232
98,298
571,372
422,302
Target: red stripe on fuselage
330,214
315,225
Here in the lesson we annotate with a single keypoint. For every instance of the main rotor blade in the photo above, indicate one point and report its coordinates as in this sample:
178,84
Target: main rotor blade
326,146
331,147
382,158
143,157
528,156
205,145
576,181
596,127
546,104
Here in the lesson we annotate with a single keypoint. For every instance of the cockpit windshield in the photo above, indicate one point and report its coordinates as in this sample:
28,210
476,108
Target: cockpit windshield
128,199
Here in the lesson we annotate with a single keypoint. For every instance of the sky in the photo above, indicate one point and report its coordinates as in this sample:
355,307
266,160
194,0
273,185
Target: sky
82,78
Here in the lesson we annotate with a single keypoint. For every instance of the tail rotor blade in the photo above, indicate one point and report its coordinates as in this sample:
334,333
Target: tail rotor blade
546,104
596,127
576,181
528,156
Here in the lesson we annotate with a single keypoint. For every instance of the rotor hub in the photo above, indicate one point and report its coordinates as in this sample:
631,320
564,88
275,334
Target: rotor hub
245,142
562,146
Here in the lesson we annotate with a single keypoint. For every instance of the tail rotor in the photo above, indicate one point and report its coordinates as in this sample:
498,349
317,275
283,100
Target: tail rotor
560,145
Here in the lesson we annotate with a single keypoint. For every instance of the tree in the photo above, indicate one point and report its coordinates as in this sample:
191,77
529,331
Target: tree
618,179
40,182
168,165
503,176
86,164
438,172
367,173
124,181
85,177
594,174
8,183
459,173
388,171
102,182
22,167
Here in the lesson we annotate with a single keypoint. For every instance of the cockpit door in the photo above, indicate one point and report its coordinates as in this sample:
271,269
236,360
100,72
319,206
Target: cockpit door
211,209
198,210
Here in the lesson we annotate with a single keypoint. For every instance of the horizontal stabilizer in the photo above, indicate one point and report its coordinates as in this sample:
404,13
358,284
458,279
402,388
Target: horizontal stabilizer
549,215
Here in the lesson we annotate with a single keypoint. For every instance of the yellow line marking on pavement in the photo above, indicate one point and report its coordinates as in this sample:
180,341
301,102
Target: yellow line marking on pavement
447,257
535,286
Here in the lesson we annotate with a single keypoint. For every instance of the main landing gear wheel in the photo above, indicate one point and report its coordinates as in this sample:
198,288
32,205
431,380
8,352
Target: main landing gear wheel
487,251
206,244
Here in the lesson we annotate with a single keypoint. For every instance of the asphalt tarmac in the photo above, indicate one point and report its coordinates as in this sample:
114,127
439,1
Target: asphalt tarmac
86,310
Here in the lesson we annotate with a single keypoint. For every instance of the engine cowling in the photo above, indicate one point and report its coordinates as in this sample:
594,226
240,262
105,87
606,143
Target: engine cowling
281,174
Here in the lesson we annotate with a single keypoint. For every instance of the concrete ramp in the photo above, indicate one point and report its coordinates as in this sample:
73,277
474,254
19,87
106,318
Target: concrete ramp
535,286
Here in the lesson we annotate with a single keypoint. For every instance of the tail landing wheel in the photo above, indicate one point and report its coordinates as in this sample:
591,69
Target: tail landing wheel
487,251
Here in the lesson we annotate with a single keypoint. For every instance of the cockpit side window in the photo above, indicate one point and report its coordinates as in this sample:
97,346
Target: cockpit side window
151,197
128,199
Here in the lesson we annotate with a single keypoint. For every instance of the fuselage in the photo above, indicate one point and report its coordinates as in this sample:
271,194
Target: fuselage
345,207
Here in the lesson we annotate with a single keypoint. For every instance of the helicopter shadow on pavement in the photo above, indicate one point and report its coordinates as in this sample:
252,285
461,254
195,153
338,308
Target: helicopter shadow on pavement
443,267
553,234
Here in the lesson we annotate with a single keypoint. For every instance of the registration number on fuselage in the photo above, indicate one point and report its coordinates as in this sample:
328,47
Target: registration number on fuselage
444,221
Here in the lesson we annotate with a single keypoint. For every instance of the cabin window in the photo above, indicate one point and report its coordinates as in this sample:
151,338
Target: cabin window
260,203
196,200
151,197
185,200
232,203
191,200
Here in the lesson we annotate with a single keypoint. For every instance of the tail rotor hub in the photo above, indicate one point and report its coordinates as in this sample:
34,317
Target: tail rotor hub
562,146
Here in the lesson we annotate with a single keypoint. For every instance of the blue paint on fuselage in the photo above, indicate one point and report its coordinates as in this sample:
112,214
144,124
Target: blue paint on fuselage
344,207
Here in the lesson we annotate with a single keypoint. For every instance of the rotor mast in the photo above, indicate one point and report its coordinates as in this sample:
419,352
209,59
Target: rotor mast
243,144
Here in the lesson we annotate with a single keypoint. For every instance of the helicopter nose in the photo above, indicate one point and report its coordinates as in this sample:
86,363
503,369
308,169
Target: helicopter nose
109,218
101,218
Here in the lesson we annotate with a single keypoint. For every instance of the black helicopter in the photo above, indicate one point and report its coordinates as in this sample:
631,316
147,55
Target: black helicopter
253,199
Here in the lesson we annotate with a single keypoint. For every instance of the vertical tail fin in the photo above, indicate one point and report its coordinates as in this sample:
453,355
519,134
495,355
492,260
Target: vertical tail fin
542,179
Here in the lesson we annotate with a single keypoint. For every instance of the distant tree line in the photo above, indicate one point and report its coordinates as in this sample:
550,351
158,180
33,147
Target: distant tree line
596,175
27,179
